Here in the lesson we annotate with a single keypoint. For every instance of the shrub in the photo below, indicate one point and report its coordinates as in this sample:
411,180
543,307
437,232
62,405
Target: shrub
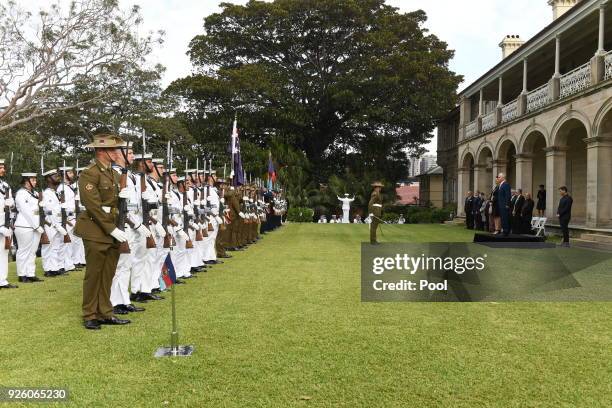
300,214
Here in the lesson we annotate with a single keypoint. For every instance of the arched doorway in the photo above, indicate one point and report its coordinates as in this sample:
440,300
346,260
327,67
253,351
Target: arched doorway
484,168
506,158
599,187
534,151
570,137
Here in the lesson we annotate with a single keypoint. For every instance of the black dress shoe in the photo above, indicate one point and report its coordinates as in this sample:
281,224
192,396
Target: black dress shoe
179,282
132,308
9,286
225,256
138,297
113,321
120,310
150,296
92,325
35,279
156,290
23,279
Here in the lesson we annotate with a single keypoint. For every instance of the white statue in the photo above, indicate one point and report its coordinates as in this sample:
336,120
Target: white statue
346,207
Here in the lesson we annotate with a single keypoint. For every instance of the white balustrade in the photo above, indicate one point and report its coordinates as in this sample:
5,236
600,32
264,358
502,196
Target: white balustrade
510,111
538,98
576,80
471,129
488,121
608,65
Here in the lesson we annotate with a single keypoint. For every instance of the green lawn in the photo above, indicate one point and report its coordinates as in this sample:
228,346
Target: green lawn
282,325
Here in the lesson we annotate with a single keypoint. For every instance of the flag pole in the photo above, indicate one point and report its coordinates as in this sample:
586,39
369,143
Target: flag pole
175,350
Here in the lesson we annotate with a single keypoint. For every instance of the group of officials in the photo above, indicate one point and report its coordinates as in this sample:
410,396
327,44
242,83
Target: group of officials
507,211
191,220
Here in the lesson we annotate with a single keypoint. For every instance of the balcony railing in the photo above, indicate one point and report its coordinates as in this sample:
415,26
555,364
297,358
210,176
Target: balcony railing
608,65
471,129
488,121
510,111
538,98
576,80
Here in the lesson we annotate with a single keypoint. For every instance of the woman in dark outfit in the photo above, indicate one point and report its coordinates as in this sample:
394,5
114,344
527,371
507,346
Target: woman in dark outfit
541,206
496,217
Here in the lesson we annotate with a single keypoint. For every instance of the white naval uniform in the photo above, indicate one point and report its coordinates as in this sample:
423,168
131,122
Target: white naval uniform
195,253
55,256
76,251
210,253
4,253
180,255
131,267
26,233
157,256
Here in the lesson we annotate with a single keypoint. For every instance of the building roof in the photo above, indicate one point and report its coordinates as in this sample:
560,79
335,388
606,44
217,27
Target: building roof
407,194
432,172
518,54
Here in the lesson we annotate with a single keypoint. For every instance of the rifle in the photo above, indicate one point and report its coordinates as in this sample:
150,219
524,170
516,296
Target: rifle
146,216
210,226
77,197
197,196
62,199
124,247
44,238
168,238
188,244
202,209
8,241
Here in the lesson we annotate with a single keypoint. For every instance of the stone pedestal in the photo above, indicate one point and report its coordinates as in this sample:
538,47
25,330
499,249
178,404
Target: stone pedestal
463,183
554,87
522,104
598,68
599,181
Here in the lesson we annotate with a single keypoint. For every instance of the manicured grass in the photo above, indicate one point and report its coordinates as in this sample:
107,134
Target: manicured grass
282,325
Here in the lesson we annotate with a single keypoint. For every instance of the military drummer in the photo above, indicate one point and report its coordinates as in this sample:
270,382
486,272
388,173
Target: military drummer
99,190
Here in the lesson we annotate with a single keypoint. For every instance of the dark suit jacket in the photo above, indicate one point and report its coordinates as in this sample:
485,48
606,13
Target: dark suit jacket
518,204
468,205
527,209
565,207
505,193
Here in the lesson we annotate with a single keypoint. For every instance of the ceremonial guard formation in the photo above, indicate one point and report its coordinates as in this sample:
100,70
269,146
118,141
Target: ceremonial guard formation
120,217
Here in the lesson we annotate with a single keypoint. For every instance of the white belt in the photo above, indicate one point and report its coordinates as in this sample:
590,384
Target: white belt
376,205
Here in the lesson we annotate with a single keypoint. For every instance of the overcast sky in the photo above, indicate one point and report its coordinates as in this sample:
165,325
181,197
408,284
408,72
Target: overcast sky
473,28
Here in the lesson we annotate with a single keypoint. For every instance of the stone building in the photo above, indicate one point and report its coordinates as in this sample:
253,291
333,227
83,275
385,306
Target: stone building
543,115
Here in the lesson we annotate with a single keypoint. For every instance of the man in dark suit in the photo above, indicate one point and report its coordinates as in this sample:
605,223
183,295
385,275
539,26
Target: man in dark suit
516,212
564,212
468,208
476,211
504,202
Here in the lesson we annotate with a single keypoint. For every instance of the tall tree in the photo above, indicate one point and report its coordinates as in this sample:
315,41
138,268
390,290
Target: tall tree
88,45
349,83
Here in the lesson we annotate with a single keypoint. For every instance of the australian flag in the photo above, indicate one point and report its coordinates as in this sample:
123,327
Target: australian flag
168,273
238,173
271,173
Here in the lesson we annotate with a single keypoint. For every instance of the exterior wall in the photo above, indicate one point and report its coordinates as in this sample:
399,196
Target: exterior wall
577,153
448,135
436,190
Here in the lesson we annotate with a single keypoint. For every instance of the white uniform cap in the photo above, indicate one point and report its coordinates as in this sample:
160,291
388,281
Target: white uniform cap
28,174
49,172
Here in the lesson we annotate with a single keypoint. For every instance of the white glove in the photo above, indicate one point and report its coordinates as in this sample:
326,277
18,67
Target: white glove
9,202
222,200
219,220
119,235
159,229
187,208
232,174
183,235
40,230
144,231
64,206
241,214
194,225
60,229
124,193
170,229
41,204
208,199
5,231
196,202
148,195
168,196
